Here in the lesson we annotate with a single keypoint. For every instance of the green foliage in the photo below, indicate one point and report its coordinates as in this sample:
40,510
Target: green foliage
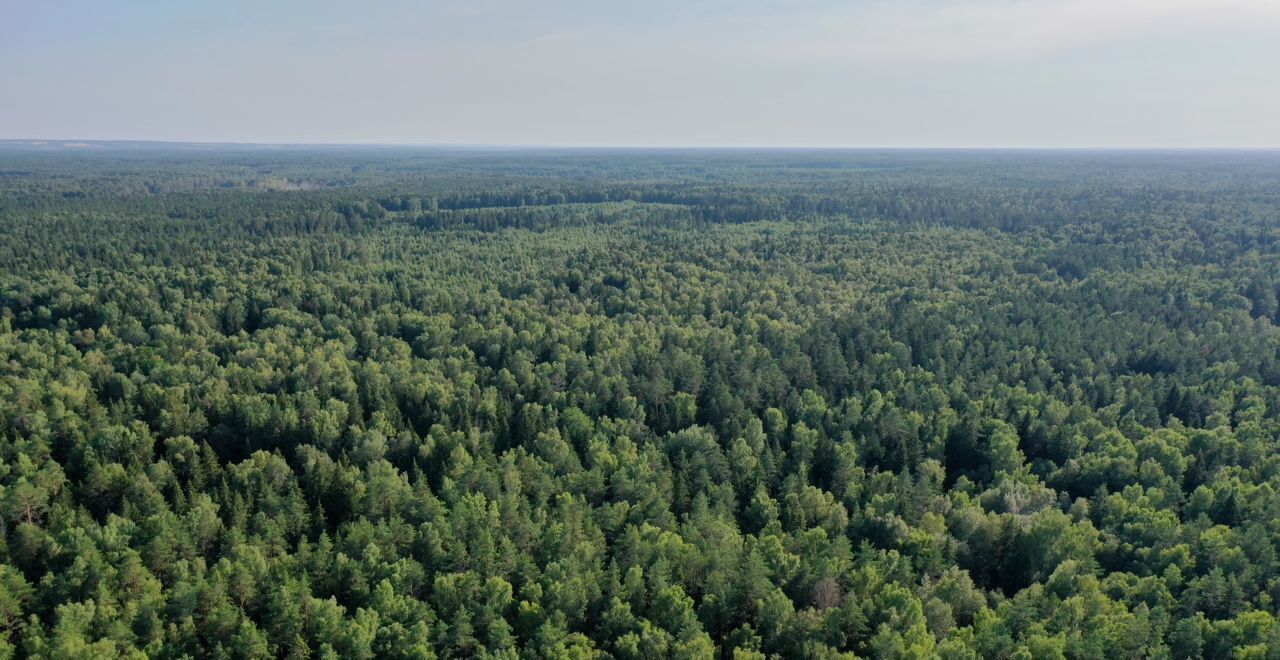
414,404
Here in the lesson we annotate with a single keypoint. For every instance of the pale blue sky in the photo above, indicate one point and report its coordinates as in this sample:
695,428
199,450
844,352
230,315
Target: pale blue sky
872,73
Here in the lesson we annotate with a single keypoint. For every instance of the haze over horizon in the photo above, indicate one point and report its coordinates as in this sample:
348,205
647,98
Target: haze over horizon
816,73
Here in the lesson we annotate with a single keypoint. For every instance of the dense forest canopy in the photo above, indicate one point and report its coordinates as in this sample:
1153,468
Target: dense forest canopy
407,402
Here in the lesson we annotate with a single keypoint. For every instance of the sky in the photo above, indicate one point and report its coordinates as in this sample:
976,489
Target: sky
748,73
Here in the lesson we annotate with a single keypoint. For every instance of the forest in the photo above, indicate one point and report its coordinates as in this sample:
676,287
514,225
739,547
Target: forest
463,403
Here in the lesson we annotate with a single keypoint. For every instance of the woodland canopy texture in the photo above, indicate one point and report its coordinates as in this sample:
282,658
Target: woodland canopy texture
432,403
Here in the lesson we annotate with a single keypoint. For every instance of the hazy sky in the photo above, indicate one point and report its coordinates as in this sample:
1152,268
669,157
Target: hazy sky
1076,73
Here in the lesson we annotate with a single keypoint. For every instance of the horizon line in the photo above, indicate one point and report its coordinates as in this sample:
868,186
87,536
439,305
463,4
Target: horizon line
71,143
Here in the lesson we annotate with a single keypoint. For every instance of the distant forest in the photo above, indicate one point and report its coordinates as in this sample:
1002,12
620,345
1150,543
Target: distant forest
455,403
